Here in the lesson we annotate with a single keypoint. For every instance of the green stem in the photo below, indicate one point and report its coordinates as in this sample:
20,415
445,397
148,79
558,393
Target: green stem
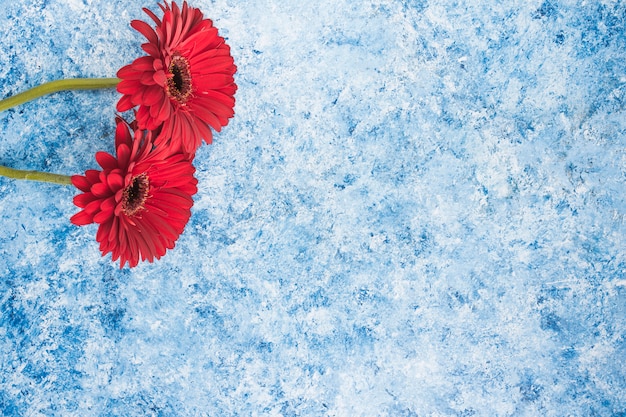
58,85
35,176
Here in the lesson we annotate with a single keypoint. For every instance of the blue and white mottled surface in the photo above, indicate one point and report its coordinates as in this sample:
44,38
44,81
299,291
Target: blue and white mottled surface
419,209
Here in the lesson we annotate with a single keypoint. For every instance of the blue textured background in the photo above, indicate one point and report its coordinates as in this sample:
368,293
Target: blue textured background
418,210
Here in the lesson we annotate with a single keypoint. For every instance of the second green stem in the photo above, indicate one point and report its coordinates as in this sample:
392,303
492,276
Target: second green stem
19,174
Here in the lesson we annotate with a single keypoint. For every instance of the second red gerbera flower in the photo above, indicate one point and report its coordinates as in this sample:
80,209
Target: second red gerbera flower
186,82
141,198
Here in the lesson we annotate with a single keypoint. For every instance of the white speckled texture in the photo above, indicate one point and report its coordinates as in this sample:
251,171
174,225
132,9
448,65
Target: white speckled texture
418,210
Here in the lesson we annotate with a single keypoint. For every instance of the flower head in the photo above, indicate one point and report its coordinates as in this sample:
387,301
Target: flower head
141,198
185,84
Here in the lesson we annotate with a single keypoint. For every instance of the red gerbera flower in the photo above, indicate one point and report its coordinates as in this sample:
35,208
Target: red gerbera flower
141,199
185,83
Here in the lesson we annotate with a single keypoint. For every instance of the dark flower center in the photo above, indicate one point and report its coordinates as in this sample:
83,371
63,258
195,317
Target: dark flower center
135,195
179,84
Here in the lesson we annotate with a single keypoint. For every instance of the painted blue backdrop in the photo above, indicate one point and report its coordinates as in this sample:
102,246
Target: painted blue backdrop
418,210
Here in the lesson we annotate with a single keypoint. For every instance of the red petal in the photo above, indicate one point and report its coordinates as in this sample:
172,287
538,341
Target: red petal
147,78
152,16
123,156
124,104
174,197
153,95
128,86
162,226
215,107
92,175
114,232
103,232
205,132
165,110
143,243
122,134
137,96
106,160
144,63
143,117
214,64
203,38
171,173
207,116
81,183
115,181
159,77
218,95
145,30
151,238
93,207
102,216
213,81
108,204
81,200
129,72
100,190
151,49
175,215
81,218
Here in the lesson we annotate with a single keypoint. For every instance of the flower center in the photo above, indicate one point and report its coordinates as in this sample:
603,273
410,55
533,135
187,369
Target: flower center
179,83
135,195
